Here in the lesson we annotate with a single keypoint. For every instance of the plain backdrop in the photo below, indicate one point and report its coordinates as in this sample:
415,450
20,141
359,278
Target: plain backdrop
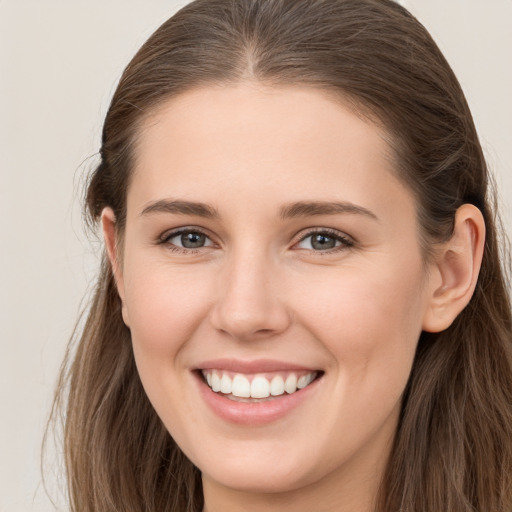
59,63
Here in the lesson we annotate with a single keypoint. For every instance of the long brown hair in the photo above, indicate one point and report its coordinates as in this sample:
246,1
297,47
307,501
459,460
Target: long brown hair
453,446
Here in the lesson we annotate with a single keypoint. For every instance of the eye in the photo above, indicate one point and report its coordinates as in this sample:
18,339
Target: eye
324,240
186,239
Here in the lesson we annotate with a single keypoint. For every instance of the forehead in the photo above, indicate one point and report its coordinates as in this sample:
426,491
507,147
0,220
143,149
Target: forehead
254,141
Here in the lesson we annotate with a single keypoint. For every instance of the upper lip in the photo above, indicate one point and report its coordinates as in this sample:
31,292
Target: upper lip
254,366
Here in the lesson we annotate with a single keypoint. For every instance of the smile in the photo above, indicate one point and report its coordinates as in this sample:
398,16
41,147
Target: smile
239,386
256,393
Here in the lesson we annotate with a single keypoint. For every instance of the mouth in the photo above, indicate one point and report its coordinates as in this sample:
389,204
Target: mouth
257,387
256,393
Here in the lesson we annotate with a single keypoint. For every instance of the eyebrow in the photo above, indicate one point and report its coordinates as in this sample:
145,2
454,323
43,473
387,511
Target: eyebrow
312,208
181,208
293,210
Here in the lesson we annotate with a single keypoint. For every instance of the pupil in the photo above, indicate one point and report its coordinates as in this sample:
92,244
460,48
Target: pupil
323,242
192,240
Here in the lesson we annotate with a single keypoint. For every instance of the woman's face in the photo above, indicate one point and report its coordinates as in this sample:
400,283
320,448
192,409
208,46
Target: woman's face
268,243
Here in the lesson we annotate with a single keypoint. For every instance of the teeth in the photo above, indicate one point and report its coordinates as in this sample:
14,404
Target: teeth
215,382
260,387
277,386
305,380
239,385
290,384
225,384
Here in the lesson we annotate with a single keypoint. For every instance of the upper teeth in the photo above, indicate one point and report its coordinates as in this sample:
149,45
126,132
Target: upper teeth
260,386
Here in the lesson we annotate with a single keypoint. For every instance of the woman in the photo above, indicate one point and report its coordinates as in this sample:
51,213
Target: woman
302,305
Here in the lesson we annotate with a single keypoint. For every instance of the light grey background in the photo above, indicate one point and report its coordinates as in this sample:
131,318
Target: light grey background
59,62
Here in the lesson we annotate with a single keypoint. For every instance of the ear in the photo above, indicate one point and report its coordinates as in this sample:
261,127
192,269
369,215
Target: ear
454,273
108,224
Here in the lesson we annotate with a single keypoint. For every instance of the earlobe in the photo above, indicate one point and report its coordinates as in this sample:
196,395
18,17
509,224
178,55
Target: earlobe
454,273
108,225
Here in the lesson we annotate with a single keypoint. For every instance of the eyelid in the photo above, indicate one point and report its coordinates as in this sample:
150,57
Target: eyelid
346,240
170,233
166,236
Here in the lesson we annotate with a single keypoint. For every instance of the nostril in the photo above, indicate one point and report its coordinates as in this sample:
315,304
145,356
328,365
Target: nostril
265,332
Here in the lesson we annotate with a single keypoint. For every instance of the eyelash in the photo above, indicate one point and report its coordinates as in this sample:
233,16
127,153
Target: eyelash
345,241
166,237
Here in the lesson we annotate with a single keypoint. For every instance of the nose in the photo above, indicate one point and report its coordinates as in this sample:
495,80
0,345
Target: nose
250,301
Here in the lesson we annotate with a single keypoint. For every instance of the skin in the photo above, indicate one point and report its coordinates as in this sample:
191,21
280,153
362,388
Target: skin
259,289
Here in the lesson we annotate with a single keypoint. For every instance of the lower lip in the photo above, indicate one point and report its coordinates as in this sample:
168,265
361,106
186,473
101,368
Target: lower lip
254,413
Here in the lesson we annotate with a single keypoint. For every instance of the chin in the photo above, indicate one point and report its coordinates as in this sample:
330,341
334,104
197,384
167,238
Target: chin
263,469
260,479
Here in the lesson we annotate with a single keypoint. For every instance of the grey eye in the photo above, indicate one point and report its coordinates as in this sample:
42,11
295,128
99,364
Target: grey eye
323,241
320,241
190,240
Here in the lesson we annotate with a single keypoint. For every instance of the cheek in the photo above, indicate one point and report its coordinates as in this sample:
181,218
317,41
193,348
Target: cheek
164,306
370,321
358,299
